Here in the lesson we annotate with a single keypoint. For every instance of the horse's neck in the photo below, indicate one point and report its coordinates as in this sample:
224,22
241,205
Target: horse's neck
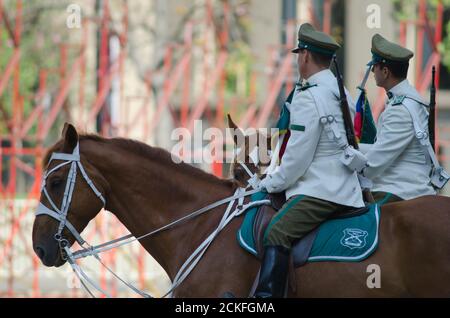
146,194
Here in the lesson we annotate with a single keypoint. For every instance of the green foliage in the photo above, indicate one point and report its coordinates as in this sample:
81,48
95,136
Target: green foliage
38,51
444,48
238,70
403,12
27,79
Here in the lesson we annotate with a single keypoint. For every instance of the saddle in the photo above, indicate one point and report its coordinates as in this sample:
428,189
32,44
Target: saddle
302,247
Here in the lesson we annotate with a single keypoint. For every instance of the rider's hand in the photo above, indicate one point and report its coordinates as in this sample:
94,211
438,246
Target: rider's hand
262,185
353,159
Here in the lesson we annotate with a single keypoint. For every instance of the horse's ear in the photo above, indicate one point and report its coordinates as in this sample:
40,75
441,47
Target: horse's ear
238,135
231,123
70,137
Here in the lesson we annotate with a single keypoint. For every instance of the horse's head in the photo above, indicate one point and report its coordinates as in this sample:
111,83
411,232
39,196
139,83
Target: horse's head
68,202
253,153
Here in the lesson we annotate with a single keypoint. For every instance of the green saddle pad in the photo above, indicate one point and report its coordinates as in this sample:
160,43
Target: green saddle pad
350,239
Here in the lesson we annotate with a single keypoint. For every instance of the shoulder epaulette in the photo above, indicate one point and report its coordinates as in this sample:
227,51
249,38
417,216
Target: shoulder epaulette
417,101
398,100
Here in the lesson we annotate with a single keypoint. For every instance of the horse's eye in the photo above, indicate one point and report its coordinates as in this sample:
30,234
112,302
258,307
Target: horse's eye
55,183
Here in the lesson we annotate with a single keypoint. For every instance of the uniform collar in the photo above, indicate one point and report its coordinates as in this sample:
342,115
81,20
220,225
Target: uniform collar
400,89
405,88
323,76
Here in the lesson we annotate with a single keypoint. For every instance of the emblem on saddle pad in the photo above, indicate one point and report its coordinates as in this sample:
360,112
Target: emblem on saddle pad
354,238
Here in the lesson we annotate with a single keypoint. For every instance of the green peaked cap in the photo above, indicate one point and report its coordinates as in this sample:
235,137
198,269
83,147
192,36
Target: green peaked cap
311,39
385,51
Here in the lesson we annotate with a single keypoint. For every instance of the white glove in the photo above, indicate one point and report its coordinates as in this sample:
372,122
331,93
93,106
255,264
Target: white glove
353,159
262,185
254,181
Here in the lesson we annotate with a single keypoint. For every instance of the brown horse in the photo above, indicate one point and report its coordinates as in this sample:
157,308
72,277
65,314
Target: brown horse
247,143
145,189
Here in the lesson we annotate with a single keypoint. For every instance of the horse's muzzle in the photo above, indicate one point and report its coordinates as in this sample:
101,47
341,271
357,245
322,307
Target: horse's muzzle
49,254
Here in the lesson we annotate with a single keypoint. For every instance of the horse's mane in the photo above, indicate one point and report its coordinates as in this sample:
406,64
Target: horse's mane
139,148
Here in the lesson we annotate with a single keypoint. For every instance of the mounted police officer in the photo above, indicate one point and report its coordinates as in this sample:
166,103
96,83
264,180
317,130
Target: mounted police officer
316,182
401,159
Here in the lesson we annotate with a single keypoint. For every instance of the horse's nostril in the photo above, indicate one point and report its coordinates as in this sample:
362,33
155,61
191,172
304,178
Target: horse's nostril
40,252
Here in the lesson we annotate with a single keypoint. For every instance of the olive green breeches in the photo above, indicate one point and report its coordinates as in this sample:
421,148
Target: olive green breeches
298,216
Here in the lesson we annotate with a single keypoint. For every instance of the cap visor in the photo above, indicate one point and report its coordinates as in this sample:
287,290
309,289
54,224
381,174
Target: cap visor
296,50
371,63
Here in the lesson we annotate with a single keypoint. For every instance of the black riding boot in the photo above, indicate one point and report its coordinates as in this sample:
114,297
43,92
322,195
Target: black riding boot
273,274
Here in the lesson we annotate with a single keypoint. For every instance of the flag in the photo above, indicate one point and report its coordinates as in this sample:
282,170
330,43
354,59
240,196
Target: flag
283,124
365,129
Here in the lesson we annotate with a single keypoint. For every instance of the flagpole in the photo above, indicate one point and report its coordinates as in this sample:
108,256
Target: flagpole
366,76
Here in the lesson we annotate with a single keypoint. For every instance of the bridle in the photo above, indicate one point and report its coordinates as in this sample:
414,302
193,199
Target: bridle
60,214
253,180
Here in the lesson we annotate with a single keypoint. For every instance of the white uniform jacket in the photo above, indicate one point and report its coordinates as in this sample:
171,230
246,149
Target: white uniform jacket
397,162
310,164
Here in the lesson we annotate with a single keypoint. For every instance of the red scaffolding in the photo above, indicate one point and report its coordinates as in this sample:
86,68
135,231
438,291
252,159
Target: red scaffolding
42,118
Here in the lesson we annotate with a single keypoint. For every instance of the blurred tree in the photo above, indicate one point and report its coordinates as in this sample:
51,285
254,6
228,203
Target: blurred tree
42,33
239,63
402,12
37,45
